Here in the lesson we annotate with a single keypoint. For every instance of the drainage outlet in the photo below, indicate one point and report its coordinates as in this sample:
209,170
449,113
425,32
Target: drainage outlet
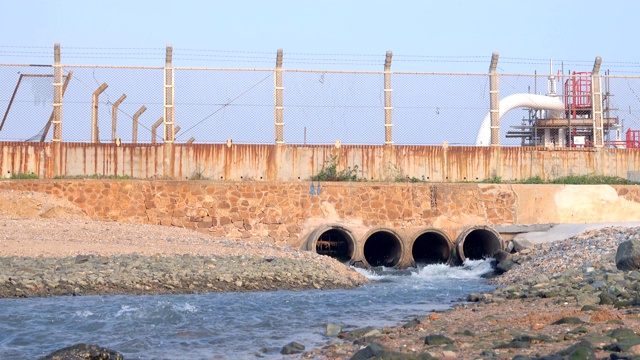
431,247
383,248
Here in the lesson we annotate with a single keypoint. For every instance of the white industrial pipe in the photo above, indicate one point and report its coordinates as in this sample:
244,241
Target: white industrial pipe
538,102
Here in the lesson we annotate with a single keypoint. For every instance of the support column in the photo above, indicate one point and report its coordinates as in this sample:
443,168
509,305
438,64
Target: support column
169,113
279,117
547,138
95,138
154,130
134,132
494,96
57,113
114,117
596,103
388,109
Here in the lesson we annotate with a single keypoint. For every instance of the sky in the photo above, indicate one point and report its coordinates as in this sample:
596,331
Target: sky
541,29
424,36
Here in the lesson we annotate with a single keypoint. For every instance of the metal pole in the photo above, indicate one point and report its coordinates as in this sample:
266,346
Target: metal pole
114,116
94,114
57,112
494,96
154,129
169,113
279,117
596,103
388,121
48,126
134,138
57,95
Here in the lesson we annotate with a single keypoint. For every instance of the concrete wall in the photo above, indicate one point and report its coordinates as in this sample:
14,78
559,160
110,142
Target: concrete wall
238,162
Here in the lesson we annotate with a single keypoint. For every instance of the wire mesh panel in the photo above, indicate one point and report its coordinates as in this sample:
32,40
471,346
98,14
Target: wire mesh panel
322,107
26,96
429,109
143,88
215,105
621,97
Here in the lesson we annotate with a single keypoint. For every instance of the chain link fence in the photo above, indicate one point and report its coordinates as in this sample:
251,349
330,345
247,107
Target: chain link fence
213,105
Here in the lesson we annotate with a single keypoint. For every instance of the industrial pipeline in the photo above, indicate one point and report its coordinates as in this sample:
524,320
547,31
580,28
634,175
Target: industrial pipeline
403,248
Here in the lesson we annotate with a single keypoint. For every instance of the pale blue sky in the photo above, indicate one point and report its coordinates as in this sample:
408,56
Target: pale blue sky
575,30
425,36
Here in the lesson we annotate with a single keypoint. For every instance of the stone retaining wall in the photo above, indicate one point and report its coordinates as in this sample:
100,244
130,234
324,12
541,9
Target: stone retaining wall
284,212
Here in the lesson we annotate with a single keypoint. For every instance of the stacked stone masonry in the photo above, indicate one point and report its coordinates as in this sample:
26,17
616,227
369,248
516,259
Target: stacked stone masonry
284,212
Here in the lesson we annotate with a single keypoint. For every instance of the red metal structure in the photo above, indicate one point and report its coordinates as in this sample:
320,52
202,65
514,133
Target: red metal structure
633,139
577,90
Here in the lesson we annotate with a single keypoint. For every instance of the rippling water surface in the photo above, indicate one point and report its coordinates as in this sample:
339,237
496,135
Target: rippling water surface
228,325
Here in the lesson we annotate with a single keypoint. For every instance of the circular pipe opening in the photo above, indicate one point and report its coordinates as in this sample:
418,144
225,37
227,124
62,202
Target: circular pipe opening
431,247
383,248
479,242
336,244
333,241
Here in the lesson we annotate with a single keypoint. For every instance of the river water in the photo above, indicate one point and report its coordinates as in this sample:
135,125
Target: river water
229,325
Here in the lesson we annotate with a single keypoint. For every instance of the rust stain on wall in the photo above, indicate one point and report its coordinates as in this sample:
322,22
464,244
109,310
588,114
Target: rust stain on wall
300,162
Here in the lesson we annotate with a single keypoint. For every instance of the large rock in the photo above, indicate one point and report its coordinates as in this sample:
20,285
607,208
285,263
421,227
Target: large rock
628,255
520,244
292,348
84,352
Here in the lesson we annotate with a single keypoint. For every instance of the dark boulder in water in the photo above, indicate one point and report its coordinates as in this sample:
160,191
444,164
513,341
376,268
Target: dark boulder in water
628,255
84,352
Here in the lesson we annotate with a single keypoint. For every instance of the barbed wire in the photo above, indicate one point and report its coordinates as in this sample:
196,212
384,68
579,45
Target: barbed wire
302,58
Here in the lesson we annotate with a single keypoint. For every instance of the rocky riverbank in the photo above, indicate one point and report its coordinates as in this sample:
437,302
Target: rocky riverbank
46,257
560,300
173,274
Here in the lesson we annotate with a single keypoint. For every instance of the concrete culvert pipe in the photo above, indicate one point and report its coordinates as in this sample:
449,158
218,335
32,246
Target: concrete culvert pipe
335,241
382,247
431,246
478,242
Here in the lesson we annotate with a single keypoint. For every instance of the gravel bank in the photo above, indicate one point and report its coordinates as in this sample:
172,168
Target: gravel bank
45,257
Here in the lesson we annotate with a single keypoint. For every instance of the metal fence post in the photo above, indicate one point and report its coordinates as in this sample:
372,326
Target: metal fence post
57,112
388,121
279,123
596,103
94,114
169,113
494,96
154,129
134,138
114,117
57,94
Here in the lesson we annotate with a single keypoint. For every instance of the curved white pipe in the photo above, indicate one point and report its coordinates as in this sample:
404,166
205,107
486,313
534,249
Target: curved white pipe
538,102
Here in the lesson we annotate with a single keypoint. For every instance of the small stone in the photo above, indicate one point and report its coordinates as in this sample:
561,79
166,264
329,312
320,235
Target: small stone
333,330
568,320
292,348
447,354
437,339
